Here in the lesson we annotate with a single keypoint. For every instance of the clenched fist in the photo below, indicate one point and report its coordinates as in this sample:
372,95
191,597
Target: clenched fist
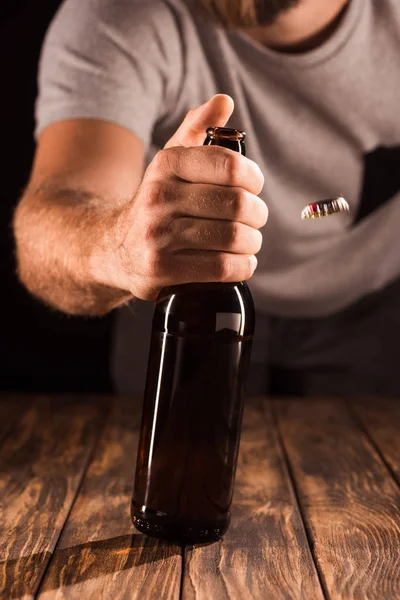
196,216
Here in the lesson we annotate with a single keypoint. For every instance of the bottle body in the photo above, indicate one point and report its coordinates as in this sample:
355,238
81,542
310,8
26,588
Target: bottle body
193,405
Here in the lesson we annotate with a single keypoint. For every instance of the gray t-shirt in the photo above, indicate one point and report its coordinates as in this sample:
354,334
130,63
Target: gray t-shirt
320,124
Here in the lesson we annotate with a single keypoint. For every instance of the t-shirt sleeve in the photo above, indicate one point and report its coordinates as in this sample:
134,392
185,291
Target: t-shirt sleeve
114,60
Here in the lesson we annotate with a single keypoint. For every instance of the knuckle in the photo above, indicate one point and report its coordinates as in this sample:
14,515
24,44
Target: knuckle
234,235
147,230
161,160
239,202
223,268
187,231
150,231
166,161
153,193
230,165
157,233
155,265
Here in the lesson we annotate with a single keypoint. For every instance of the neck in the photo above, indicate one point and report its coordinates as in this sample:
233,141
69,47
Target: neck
303,27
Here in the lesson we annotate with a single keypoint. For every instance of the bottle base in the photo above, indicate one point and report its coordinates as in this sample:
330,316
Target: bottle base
166,527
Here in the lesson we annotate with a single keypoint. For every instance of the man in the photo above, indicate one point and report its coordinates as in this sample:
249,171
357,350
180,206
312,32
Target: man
316,87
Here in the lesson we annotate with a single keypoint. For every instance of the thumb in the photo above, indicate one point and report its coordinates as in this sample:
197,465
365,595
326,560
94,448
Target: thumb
214,113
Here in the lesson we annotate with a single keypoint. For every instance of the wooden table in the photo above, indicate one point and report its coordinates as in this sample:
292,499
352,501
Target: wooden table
316,510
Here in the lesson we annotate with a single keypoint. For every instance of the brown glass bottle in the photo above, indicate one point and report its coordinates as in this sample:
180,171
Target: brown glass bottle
192,415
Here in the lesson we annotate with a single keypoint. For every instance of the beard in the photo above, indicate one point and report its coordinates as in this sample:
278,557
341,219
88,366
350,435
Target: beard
269,10
246,13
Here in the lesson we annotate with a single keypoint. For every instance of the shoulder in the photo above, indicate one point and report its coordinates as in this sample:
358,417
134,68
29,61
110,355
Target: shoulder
126,15
126,28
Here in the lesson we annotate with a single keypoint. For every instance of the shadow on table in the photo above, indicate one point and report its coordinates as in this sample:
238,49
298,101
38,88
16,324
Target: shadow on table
80,563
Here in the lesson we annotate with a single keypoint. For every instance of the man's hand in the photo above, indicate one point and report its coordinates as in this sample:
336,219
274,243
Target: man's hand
196,215
85,246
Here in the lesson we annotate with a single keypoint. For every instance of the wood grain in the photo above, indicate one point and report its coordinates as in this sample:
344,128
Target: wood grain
99,554
265,553
41,466
12,409
349,500
381,419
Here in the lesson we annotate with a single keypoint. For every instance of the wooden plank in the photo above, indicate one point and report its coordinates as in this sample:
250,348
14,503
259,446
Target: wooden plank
350,502
265,553
12,408
381,419
99,554
41,466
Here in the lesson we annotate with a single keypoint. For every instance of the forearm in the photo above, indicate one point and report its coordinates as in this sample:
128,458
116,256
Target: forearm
66,249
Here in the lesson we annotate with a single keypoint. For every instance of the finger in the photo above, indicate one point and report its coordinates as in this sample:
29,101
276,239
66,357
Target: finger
214,113
194,266
207,164
225,236
214,202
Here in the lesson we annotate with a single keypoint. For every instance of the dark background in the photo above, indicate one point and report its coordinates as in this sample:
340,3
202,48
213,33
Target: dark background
40,350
